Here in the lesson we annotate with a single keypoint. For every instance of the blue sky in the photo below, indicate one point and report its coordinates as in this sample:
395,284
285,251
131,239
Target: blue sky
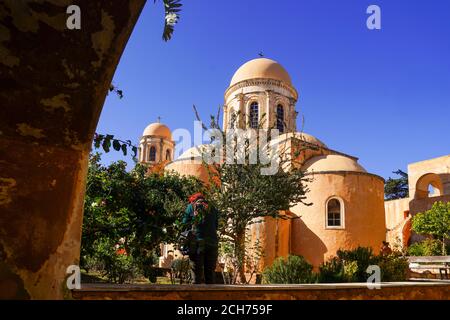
383,96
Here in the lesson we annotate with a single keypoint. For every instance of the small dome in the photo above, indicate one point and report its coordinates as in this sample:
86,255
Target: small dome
301,136
332,163
195,153
261,68
158,129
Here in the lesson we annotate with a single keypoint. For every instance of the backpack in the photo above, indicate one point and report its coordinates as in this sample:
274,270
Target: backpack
186,242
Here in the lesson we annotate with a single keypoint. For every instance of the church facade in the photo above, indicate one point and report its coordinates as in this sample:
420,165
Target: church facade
348,208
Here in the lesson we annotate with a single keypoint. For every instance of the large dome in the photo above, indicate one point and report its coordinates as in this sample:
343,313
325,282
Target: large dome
301,136
261,68
332,163
159,130
197,153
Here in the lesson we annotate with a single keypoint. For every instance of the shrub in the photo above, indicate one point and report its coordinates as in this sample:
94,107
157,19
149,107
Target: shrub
427,247
118,268
416,249
360,259
394,267
290,270
351,266
434,222
182,269
332,271
351,270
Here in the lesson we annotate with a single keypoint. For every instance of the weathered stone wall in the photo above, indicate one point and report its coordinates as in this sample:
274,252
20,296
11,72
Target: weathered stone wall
350,291
53,83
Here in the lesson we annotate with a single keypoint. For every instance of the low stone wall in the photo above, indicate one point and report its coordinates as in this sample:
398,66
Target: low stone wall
425,274
354,291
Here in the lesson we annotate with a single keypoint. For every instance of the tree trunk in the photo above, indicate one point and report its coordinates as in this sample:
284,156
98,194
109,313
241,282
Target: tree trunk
443,246
239,251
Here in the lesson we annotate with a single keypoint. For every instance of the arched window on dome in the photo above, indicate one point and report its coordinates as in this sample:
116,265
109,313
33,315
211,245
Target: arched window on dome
152,154
233,119
168,155
254,115
335,213
280,118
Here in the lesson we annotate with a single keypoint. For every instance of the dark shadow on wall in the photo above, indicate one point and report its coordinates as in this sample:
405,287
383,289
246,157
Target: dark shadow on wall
445,178
306,243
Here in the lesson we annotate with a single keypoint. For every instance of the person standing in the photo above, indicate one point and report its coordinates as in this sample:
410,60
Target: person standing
202,218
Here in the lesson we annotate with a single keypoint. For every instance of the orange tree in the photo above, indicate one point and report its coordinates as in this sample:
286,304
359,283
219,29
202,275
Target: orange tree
127,215
435,222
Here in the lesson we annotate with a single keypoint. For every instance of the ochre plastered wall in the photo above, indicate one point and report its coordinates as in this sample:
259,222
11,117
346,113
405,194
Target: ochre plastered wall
397,222
273,235
363,196
53,83
420,175
439,168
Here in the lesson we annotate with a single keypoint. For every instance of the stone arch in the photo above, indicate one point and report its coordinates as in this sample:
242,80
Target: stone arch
423,184
47,131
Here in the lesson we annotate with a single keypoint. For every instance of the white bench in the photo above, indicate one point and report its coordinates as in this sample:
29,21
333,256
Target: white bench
441,263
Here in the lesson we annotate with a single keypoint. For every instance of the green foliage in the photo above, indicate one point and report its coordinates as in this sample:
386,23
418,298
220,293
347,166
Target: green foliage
427,247
435,222
171,17
349,269
290,270
172,10
118,268
394,267
130,211
417,249
397,188
106,141
363,257
253,253
182,269
332,271
351,266
228,260
243,193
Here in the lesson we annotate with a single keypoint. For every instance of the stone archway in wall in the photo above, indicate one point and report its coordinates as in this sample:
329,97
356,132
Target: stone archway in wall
427,182
53,83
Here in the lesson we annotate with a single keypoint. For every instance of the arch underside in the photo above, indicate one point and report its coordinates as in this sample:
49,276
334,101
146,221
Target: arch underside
424,183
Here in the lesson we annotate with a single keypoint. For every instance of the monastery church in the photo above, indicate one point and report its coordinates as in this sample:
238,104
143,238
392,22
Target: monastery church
348,207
